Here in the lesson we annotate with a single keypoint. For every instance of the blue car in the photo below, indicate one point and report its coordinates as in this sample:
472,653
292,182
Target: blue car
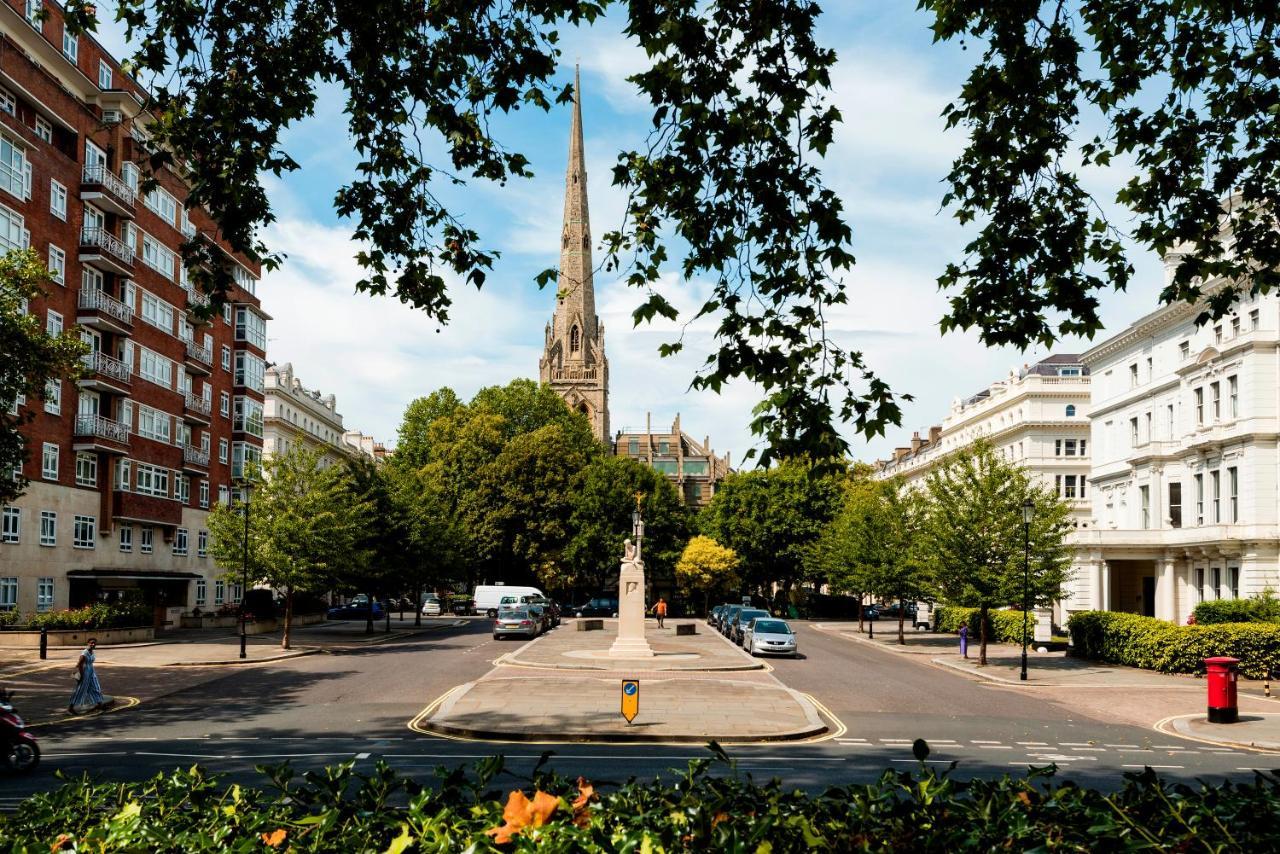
355,611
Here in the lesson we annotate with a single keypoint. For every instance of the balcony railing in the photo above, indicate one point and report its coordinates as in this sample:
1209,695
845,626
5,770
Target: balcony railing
100,363
100,238
198,404
195,456
199,352
92,299
103,428
575,374
111,182
195,297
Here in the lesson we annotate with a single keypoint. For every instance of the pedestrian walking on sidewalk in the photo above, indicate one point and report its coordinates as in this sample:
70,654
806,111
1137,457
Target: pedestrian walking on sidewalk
660,610
88,695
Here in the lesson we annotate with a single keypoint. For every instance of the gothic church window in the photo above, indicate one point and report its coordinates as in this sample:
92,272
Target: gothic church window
575,340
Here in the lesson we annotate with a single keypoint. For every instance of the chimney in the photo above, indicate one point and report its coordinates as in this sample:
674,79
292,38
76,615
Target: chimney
916,441
935,434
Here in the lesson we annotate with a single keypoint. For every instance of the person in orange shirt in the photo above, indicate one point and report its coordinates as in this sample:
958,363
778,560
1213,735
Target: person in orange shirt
660,609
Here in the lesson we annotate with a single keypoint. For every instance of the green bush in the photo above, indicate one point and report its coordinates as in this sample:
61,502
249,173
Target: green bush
95,617
1264,608
1005,626
10,618
338,810
1157,645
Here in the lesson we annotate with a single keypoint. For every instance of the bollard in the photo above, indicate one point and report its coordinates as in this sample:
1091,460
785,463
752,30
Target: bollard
44,642
1220,673
964,641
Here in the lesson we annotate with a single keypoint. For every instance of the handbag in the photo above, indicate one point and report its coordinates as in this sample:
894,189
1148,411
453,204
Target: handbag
75,674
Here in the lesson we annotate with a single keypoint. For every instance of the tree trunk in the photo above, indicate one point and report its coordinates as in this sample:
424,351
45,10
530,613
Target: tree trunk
387,613
368,623
982,634
417,606
288,617
861,626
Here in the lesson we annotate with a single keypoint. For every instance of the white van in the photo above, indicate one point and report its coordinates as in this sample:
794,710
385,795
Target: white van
488,596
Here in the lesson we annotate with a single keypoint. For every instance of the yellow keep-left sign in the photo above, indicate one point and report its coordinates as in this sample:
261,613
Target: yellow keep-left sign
630,699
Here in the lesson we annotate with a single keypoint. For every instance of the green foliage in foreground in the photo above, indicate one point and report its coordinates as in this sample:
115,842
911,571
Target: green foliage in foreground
338,810
1002,626
1158,645
1264,608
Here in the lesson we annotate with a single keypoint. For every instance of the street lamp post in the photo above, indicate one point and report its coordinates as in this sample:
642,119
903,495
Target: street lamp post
245,488
1028,510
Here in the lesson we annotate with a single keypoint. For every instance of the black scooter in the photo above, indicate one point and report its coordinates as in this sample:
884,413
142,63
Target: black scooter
18,745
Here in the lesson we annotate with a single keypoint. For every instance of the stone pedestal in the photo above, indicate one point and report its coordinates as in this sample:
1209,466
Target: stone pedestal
630,642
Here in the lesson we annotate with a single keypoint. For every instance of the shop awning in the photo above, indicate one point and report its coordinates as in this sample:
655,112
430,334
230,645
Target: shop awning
133,574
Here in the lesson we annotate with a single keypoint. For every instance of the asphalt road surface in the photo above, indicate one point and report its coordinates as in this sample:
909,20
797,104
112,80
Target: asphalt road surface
356,705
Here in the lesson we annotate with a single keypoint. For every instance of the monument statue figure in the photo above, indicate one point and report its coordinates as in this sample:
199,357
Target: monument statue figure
630,642
628,551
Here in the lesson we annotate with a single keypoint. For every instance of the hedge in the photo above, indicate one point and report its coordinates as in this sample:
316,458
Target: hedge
1158,645
95,617
924,811
1005,626
1259,609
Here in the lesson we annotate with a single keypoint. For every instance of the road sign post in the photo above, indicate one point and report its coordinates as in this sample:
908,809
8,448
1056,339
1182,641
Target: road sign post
630,699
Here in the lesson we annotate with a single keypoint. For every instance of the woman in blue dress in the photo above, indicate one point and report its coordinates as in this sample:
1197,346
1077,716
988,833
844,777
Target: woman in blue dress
88,695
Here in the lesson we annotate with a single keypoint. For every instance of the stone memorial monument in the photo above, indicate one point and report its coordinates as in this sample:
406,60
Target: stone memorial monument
630,642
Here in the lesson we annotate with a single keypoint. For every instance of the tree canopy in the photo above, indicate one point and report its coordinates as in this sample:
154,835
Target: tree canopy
706,567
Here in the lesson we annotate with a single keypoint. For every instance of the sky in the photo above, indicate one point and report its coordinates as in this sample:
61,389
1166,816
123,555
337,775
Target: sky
887,163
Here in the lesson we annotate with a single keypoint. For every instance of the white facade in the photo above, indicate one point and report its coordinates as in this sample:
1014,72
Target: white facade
294,414
1184,425
1036,417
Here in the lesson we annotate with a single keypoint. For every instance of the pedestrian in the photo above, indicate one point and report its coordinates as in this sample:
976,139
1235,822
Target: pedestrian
88,694
660,610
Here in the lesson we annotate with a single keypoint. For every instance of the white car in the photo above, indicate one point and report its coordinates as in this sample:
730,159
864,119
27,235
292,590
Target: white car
769,636
431,607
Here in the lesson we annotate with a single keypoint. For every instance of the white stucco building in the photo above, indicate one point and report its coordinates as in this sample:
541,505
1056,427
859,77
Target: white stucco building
294,414
1184,426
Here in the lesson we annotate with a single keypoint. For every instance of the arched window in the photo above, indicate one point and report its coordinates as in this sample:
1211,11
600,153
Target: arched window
1071,410
575,340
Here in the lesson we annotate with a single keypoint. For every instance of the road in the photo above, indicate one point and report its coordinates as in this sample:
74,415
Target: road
355,704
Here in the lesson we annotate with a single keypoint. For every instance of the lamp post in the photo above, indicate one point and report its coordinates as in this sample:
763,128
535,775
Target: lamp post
1028,510
245,486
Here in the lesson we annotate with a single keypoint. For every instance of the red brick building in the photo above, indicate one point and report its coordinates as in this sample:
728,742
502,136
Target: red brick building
125,462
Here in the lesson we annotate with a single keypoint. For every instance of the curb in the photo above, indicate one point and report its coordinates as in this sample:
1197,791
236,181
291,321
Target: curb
1000,680
235,662
1169,726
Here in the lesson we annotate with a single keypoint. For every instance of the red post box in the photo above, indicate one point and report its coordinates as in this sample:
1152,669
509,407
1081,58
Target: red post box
1220,672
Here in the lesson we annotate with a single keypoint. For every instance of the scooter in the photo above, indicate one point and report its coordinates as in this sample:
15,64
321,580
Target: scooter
18,744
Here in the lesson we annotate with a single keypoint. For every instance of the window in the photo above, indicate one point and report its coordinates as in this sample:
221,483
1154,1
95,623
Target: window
1071,410
156,256
202,591
49,462
252,327
1233,494
153,480
1133,432
1217,334
162,205
226,313
202,544
53,324
1199,584
34,8
1133,376
58,200
70,45
180,543
1215,483
182,488
1235,325
126,538
248,418
1199,405
224,495
124,475
204,493
53,397
244,457
8,593
223,451
1233,582
1215,573
250,370
44,130
84,533
15,169
1215,394
86,469
1199,499
7,102
44,594
104,75
48,528
155,368
11,529
1175,505
1254,317
224,405
13,234
1169,418
1233,396
226,358
157,312
145,540
219,591
58,264
1144,503
154,424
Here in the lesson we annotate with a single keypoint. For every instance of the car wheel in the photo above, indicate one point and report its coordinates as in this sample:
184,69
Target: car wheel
497,637
492,613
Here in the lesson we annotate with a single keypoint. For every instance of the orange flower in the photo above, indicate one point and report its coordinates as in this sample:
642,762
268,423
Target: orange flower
586,794
520,812
63,842
719,817
275,838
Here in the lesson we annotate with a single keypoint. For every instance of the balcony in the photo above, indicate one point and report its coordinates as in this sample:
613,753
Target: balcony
196,410
195,460
195,298
148,509
95,433
575,373
199,359
107,190
101,249
106,374
99,310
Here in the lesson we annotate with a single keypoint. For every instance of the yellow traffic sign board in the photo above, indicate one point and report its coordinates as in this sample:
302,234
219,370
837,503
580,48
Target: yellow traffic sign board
630,699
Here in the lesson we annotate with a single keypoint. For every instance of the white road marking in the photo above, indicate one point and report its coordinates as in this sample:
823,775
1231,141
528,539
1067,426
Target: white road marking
977,741
1094,749
1153,766
1130,746
1168,746
930,761
896,740
994,747
1034,743
1076,743
941,740
362,756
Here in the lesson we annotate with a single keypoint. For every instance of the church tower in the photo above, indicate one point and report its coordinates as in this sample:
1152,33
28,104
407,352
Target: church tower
573,361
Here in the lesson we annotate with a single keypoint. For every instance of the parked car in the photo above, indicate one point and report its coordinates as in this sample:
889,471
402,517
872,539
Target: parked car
519,621
600,606
726,618
431,607
487,596
714,614
741,619
356,611
462,606
771,636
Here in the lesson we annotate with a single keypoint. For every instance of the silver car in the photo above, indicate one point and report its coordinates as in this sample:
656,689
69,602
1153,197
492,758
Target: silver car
769,636
520,622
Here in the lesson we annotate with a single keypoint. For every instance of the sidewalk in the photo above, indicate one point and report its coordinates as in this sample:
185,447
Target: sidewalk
1257,731
554,689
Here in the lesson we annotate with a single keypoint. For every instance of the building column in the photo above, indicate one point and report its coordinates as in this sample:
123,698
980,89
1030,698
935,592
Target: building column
1166,596
1104,586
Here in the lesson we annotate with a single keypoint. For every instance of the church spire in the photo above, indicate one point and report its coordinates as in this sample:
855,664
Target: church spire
576,290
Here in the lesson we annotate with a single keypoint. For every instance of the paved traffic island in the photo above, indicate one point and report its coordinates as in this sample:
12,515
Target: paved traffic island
559,688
